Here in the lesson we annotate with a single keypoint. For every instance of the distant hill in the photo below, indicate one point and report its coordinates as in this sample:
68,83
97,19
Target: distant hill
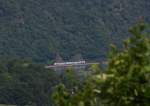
40,29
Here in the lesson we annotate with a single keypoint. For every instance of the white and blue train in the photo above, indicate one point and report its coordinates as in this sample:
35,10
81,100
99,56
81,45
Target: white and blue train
70,63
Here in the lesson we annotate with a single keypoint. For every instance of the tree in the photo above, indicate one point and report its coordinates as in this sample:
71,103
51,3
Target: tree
125,81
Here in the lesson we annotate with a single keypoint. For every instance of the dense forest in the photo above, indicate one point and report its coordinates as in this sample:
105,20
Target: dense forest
24,83
40,29
36,32
124,81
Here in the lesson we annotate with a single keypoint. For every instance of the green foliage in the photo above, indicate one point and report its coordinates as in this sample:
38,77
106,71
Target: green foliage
24,83
39,29
125,82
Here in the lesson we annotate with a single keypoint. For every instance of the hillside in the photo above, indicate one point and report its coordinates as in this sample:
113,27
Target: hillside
40,29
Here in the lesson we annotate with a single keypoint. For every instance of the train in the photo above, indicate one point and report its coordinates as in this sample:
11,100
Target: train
70,63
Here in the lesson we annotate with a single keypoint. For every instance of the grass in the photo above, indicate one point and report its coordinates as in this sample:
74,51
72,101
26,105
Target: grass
6,105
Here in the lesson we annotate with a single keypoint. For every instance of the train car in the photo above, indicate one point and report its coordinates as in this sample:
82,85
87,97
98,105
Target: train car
70,63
